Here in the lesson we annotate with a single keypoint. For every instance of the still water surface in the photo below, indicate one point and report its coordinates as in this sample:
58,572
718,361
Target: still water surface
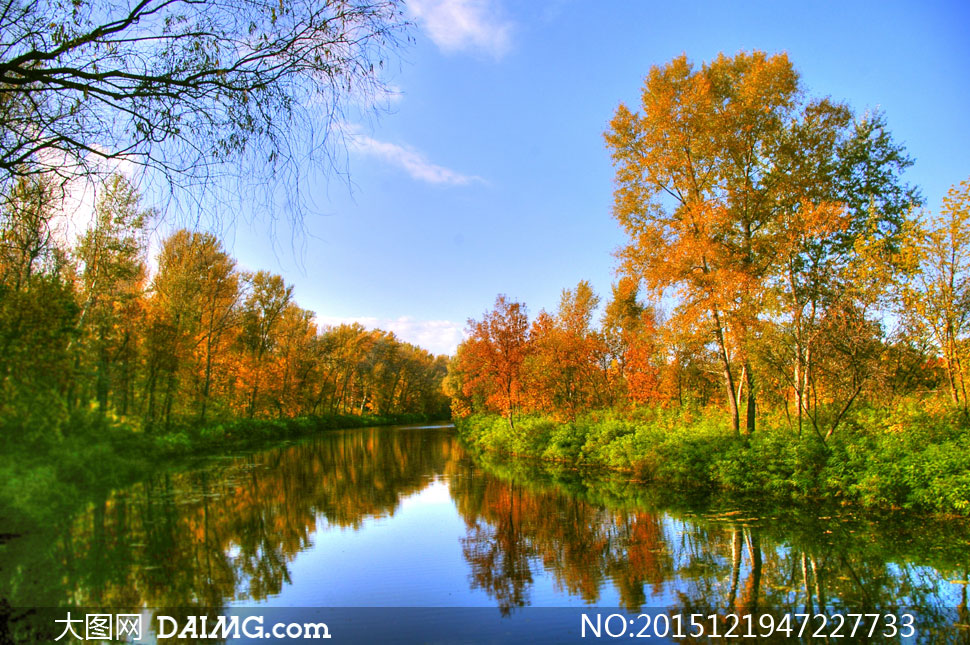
405,517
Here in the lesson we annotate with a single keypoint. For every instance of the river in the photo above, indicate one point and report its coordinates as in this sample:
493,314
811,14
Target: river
406,517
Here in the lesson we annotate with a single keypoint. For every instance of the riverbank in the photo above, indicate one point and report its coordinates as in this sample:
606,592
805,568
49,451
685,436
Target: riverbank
96,455
869,462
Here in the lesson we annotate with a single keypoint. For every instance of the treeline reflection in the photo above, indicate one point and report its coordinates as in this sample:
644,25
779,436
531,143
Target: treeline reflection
522,521
229,532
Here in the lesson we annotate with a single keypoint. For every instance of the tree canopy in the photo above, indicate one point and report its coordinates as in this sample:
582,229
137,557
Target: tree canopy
749,201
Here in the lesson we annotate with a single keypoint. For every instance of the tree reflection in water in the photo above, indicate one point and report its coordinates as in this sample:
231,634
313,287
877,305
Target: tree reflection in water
228,533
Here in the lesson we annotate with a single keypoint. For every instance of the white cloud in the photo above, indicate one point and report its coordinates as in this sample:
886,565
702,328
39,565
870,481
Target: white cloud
464,25
410,160
436,336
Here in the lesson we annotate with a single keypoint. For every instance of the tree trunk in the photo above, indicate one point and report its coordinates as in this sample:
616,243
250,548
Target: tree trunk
728,375
101,383
752,407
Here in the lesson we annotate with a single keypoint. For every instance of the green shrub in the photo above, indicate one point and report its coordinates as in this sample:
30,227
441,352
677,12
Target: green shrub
914,456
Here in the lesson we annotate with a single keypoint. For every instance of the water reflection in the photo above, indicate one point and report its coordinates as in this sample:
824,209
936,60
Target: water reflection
523,520
231,532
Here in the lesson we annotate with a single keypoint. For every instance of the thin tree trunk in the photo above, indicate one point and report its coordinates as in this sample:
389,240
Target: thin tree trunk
752,406
728,375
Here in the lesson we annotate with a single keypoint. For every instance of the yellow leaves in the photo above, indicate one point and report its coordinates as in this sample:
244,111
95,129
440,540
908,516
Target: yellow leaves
938,299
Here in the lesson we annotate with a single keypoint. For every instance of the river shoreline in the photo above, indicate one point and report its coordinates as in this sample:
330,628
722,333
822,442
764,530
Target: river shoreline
870,465
98,456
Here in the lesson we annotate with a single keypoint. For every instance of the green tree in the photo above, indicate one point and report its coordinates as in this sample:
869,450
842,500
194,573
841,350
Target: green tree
112,254
38,314
841,218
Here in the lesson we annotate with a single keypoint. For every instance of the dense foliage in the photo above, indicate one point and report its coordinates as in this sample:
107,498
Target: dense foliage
88,330
777,270
903,457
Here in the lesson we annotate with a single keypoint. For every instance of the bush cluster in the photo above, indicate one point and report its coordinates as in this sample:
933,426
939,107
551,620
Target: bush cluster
912,456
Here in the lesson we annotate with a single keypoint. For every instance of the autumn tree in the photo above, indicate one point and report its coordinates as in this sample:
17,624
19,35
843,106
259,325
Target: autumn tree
346,348
190,315
636,347
218,310
461,394
565,369
745,198
298,355
937,299
491,357
695,195
261,318
112,253
356,370
621,319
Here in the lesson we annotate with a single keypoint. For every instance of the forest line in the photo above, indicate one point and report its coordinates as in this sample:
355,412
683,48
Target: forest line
779,278
88,332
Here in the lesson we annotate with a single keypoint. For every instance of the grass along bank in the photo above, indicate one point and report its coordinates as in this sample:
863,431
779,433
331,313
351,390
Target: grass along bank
41,479
912,456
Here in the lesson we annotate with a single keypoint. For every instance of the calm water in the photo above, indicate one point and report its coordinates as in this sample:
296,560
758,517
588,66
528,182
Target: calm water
405,517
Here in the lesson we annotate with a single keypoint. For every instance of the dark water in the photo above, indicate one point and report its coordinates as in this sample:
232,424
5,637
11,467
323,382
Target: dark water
405,517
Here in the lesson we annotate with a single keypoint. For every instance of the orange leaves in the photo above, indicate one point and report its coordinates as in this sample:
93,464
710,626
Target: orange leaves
490,360
564,371
645,361
558,365
724,174
690,185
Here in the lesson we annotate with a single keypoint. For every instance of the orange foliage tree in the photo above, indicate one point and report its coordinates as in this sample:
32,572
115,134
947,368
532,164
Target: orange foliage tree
695,194
490,360
747,202
566,368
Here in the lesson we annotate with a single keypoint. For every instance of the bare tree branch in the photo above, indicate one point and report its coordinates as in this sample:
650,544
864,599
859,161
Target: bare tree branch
193,91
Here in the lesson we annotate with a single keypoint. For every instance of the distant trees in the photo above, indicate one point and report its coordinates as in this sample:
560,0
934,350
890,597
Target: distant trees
558,364
565,368
490,361
85,330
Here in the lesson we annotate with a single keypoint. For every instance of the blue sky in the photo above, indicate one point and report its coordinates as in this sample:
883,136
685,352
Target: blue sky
488,173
